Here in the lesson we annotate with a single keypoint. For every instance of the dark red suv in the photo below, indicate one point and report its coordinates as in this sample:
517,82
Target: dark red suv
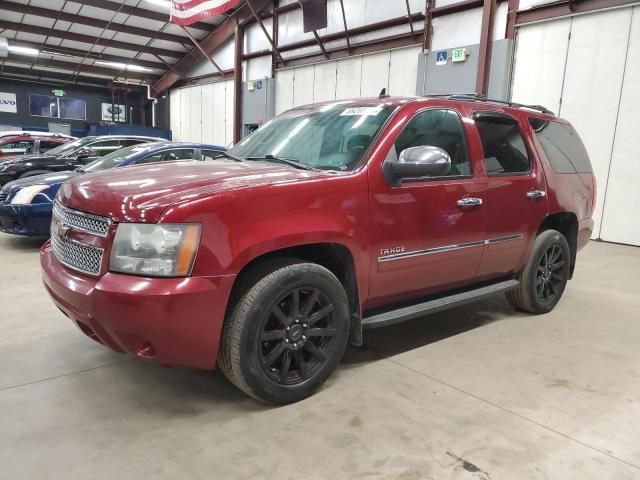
30,143
331,218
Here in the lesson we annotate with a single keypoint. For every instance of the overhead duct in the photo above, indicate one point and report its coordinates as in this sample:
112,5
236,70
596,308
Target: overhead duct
4,47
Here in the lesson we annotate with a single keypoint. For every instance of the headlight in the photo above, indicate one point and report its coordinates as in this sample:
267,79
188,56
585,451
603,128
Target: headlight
26,195
158,250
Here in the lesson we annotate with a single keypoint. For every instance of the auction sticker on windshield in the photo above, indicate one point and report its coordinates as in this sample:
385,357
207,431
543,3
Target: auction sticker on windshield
358,111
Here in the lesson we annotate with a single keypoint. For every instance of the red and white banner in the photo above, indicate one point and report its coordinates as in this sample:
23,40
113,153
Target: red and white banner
186,12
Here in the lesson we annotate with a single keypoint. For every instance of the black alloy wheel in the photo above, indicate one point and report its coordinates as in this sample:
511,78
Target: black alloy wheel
297,335
545,276
286,330
549,280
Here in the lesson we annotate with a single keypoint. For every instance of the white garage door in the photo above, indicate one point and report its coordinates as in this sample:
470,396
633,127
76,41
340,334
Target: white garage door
203,113
586,69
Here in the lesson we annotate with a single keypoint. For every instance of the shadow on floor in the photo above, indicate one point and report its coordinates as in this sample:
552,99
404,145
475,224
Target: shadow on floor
396,339
184,392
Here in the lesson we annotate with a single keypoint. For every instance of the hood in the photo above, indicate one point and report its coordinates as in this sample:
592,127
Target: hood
44,179
142,193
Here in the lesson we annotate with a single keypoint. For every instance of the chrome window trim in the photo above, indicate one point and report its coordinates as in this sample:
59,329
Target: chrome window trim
448,248
63,209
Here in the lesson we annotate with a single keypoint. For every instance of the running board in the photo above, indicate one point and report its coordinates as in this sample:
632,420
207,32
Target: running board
437,305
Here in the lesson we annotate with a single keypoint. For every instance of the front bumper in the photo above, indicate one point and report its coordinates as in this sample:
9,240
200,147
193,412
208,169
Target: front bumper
30,220
174,321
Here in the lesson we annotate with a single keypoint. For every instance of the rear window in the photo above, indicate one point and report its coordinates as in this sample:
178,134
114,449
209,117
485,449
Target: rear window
562,146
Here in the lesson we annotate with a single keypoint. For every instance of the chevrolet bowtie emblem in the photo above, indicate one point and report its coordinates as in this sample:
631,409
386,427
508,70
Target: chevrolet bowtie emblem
60,229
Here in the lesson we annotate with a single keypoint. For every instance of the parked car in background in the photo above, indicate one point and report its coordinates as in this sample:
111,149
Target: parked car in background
26,204
66,157
329,219
28,143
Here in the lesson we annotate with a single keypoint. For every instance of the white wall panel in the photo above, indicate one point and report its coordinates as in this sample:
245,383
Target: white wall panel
175,117
451,31
257,68
593,79
195,118
621,216
219,114
203,113
348,77
375,73
284,90
303,81
228,119
207,113
403,71
324,87
540,62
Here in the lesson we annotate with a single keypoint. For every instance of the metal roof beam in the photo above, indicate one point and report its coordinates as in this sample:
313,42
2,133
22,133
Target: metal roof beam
90,22
90,39
137,12
209,44
75,52
76,67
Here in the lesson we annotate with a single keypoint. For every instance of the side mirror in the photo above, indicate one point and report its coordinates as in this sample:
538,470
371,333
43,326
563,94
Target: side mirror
417,162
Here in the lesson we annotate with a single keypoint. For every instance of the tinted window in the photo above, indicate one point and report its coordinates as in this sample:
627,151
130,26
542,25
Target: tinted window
504,149
103,148
128,143
46,145
562,146
17,148
438,128
169,155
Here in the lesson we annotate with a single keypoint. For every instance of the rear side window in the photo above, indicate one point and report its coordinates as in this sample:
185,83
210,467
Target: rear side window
46,145
504,150
562,146
17,148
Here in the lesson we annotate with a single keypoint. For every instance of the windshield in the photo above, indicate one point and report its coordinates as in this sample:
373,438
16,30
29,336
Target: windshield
70,147
116,158
332,136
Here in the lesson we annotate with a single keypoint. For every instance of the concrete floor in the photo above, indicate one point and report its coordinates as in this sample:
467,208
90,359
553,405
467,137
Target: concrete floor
480,392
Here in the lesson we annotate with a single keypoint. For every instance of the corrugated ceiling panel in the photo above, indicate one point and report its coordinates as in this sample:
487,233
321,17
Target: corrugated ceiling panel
452,31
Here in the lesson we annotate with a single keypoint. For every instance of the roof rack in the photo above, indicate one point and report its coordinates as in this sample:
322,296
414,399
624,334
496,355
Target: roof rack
474,97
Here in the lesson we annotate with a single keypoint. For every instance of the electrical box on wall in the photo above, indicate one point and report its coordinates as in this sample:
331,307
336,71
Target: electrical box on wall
258,104
455,70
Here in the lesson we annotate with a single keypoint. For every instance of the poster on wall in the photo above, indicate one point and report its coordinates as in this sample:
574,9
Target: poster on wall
8,103
114,113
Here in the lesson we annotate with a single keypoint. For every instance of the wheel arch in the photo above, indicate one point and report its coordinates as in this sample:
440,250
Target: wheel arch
335,257
567,224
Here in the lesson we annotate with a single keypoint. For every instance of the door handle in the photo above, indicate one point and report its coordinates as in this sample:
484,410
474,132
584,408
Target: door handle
469,202
536,194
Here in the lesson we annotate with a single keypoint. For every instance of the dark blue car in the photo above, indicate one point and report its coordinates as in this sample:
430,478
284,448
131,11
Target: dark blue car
26,204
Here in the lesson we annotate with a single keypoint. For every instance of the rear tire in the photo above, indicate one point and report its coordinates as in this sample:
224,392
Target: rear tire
545,275
286,333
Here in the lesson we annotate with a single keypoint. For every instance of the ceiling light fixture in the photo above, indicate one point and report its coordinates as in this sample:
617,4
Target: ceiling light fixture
162,3
123,66
24,50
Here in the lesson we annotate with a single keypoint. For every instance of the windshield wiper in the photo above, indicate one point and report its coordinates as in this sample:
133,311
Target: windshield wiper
229,156
287,161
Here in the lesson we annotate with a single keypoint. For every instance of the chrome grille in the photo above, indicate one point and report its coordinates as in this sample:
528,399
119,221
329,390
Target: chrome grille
85,222
76,255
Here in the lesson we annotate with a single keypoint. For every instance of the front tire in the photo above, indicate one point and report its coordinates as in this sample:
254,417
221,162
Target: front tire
545,275
286,334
